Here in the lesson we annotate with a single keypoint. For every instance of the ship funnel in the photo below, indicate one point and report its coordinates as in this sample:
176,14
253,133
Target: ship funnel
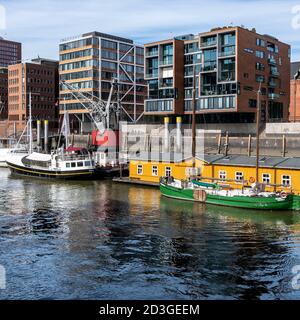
178,134
167,135
38,134
46,133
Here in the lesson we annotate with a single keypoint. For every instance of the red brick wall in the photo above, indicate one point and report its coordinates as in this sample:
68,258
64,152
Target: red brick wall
294,115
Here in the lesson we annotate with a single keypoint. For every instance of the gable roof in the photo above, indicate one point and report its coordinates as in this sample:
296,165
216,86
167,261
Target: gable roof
220,159
295,68
241,160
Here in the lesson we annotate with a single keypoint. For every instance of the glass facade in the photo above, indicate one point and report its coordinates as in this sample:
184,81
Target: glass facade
96,57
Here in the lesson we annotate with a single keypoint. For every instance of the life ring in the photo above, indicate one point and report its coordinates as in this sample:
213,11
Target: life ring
283,194
252,180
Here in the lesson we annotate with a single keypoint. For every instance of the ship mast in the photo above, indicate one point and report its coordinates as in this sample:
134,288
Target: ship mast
194,121
30,125
258,113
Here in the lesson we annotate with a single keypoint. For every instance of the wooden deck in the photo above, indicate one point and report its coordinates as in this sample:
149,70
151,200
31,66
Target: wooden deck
135,181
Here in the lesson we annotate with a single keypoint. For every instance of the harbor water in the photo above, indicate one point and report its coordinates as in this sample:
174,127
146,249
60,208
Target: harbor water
104,240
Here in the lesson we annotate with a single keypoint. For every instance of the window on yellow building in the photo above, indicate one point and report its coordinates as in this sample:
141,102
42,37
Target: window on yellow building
222,175
140,169
286,180
168,171
239,176
154,171
266,178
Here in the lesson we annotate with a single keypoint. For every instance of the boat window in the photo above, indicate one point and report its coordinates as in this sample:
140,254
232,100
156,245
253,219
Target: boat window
222,175
73,164
266,178
68,165
87,163
140,169
80,164
154,171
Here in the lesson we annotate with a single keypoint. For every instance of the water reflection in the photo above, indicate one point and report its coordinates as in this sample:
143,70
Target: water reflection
102,240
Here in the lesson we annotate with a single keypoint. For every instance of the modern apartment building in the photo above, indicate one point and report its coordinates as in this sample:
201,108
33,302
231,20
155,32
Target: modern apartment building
3,92
10,52
229,64
294,115
40,78
90,62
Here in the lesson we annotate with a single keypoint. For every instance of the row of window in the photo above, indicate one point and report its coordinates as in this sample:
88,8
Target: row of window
168,171
286,180
79,54
239,176
78,164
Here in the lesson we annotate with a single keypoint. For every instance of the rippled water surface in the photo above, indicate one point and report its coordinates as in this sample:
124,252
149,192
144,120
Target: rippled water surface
101,240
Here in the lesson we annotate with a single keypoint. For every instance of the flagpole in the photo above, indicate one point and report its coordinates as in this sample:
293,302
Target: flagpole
65,120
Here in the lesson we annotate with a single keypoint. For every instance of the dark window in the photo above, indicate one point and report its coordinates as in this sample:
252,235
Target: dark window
252,103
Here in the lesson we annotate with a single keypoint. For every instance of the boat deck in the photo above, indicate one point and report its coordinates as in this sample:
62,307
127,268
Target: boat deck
135,181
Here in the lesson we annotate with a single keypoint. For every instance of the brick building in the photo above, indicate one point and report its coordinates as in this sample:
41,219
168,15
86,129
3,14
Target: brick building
3,93
229,64
294,115
40,77
10,52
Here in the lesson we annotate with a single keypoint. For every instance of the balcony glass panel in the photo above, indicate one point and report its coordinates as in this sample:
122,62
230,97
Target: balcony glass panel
166,83
227,51
159,105
209,41
166,61
209,66
228,39
152,51
227,70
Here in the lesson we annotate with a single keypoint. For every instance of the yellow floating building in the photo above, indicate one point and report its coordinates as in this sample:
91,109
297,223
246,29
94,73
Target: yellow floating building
277,173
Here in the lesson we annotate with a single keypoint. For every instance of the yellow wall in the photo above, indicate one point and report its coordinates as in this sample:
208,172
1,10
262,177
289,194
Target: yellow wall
179,171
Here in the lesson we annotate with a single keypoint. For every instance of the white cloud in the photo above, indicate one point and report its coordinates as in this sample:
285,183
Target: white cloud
40,24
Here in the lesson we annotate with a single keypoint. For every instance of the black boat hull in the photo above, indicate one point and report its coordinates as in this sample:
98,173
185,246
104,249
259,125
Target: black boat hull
47,174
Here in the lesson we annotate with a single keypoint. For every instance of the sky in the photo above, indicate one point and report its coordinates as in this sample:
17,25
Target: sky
41,24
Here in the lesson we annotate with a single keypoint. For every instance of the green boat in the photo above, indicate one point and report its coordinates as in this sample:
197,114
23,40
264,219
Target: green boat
247,199
254,198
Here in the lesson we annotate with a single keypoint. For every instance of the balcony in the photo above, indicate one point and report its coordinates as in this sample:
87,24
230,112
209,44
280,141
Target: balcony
209,67
272,84
273,96
152,75
272,61
213,104
227,76
274,73
210,43
165,105
229,52
153,53
166,61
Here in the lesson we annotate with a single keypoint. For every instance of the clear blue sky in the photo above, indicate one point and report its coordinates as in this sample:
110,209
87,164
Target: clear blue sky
40,24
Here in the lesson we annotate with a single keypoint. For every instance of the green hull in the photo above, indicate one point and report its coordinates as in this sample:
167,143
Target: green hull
289,203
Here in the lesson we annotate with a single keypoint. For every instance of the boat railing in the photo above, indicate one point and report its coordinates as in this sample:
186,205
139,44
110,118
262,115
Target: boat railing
73,157
243,183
